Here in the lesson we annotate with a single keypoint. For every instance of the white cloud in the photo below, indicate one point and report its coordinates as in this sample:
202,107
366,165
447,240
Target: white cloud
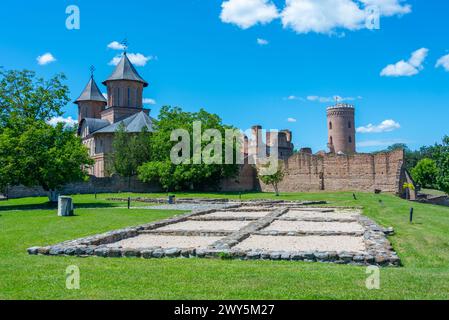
136,59
385,126
304,16
379,143
262,42
407,68
149,101
115,45
293,97
68,121
322,16
247,13
332,99
45,59
443,62
291,120
389,8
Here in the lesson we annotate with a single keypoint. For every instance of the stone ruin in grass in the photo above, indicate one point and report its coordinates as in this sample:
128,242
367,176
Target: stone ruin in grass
251,230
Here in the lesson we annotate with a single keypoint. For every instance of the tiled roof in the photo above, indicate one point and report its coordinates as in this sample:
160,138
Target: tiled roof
91,93
133,124
125,71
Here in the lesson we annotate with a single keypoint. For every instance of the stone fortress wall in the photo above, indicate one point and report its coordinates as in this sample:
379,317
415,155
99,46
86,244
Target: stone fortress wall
342,169
331,172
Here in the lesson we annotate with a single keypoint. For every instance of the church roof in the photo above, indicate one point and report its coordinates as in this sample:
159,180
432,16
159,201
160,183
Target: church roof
133,124
125,71
93,125
91,93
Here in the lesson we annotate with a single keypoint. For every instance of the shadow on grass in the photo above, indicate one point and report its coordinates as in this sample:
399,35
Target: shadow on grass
52,206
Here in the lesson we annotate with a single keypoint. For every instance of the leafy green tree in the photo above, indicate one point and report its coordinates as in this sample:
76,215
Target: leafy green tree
442,159
42,155
185,176
272,179
130,151
425,173
25,98
32,152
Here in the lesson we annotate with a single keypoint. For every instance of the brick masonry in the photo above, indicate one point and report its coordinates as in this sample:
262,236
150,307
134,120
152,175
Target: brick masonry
305,172
331,172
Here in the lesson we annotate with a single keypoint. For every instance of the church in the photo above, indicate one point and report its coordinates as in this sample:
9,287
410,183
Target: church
99,118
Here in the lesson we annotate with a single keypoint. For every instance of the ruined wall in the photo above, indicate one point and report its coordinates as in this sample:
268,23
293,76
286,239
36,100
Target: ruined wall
246,181
304,172
94,185
330,172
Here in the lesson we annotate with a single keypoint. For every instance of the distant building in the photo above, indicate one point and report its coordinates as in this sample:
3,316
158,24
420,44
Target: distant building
99,118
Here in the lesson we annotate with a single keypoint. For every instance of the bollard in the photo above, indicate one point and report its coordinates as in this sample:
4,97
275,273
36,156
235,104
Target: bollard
355,198
240,196
65,206
411,215
129,202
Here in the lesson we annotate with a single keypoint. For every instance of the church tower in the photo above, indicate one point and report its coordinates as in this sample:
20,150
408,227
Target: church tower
125,92
91,102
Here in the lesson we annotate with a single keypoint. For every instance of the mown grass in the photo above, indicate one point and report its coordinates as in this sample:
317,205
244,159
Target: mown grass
423,247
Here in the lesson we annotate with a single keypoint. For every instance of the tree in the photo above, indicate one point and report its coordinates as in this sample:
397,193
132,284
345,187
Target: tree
32,152
42,155
25,98
185,176
425,173
130,151
272,179
442,160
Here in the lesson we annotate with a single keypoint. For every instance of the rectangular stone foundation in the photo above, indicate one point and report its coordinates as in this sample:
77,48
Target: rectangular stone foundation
278,233
303,243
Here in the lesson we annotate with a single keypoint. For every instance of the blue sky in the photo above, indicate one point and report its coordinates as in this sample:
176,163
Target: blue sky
201,54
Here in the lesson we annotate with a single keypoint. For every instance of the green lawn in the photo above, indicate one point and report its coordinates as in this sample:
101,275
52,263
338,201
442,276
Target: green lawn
433,192
422,246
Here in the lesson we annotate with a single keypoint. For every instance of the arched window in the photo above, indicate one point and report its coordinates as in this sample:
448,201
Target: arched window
330,125
350,139
129,97
349,125
117,103
331,140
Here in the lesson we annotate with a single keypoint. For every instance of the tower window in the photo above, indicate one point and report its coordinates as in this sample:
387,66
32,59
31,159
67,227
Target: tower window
118,97
331,140
330,125
350,139
349,125
129,97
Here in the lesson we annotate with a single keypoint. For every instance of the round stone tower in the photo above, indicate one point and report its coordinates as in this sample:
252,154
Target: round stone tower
341,128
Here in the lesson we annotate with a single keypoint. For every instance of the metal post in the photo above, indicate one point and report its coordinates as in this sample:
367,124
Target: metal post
355,198
411,215
129,202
